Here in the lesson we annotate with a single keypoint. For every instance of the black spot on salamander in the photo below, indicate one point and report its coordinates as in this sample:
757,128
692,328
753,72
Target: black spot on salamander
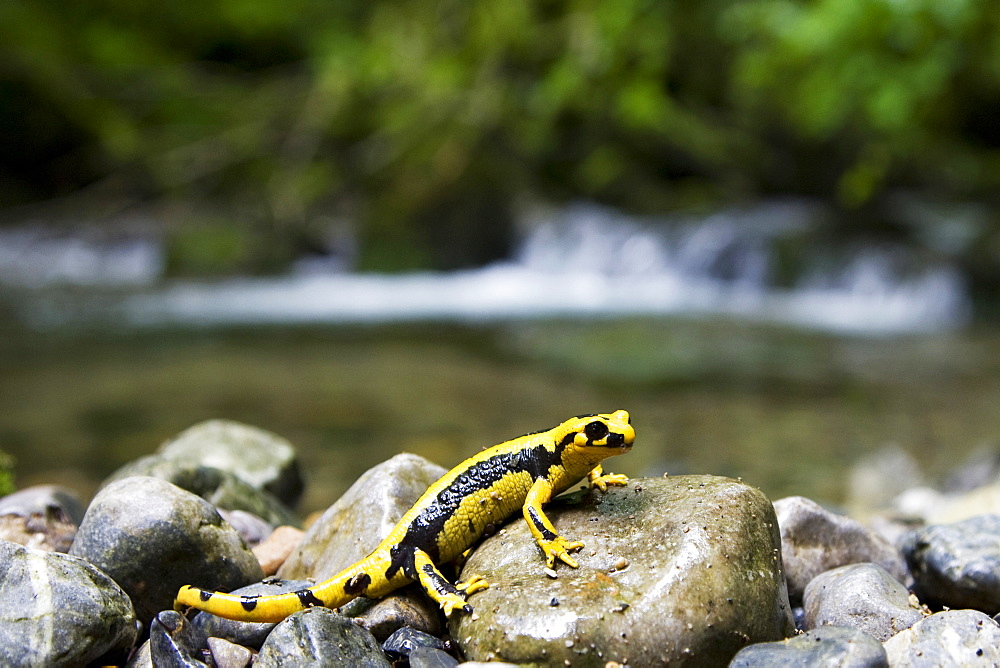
249,603
537,521
358,584
308,599
205,595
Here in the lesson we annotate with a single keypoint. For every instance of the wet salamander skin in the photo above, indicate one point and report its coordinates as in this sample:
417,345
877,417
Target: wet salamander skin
454,512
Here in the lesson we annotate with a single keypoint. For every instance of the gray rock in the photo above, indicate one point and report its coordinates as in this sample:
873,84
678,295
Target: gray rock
952,638
59,610
430,657
683,570
141,658
860,596
351,528
175,643
152,537
957,565
250,634
402,642
222,489
408,606
826,646
226,654
320,636
251,528
44,500
814,540
262,459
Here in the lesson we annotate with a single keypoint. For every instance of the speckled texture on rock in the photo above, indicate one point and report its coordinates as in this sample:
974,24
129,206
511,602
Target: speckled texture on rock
957,565
152,537
59,610
321,637
965,638
826,646
683,569
861,596
814,540
351,528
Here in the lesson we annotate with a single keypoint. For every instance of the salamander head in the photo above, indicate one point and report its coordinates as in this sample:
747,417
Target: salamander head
612,431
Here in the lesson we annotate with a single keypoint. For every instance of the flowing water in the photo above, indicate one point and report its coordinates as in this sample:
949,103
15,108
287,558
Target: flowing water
729,362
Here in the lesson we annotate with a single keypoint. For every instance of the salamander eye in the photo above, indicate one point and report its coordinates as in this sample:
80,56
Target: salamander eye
596,430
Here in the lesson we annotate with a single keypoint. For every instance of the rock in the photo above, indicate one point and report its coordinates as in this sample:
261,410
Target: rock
814,540
276,548
877,478
59,610
826,646
229,655
405,640
319,636
351,528
175,643
957,565
408,606
860,596
250,634
430,657
44,500
222,489
950,509
981,468
684,569
43,517
251,528
141,657
951,638
262,459
152,537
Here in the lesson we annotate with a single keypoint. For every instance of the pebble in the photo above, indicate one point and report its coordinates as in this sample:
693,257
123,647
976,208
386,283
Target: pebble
406,607
429,657
274,550
43,517
253,529
405,640
965,638
226,654
175,643
152,537
839,646
60,610
814,540
319,636
861,596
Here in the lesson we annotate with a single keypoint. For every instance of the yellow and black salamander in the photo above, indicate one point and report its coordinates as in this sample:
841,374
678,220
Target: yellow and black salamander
452,515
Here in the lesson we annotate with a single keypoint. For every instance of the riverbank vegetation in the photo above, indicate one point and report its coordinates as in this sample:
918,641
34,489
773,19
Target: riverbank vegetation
257,129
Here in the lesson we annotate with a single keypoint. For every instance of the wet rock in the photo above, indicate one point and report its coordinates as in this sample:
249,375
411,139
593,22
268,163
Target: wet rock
229,655
684,569
405,640
860,596
262,459
251,528
951,638
141,658
276,548
222,489
320,636
44,517
826,646
814,540
957,565
175,643
250,634
152,537
351,528
44,500
59,610
408,606
430,657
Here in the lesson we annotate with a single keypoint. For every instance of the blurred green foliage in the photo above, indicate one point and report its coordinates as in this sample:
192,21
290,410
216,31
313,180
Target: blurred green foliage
428,121
6,474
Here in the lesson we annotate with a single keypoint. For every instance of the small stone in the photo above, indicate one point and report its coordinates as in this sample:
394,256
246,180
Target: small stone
320,636
274,550
430,657
826,646
226,654
405,640
957,565
351,528
59,610
950,638
252,528
860,596
44,500
152,537
174,642
44,517
406,607
814,540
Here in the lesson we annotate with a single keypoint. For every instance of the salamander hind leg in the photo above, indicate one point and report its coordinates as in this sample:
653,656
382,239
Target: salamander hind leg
450,597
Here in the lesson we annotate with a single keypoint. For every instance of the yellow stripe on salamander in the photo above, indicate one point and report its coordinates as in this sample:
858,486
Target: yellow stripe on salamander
524,473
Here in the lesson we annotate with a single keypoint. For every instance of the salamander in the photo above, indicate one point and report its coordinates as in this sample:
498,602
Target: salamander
485,489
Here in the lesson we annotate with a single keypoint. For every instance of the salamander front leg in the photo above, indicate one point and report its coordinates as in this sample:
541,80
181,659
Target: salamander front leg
553,545
599,479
